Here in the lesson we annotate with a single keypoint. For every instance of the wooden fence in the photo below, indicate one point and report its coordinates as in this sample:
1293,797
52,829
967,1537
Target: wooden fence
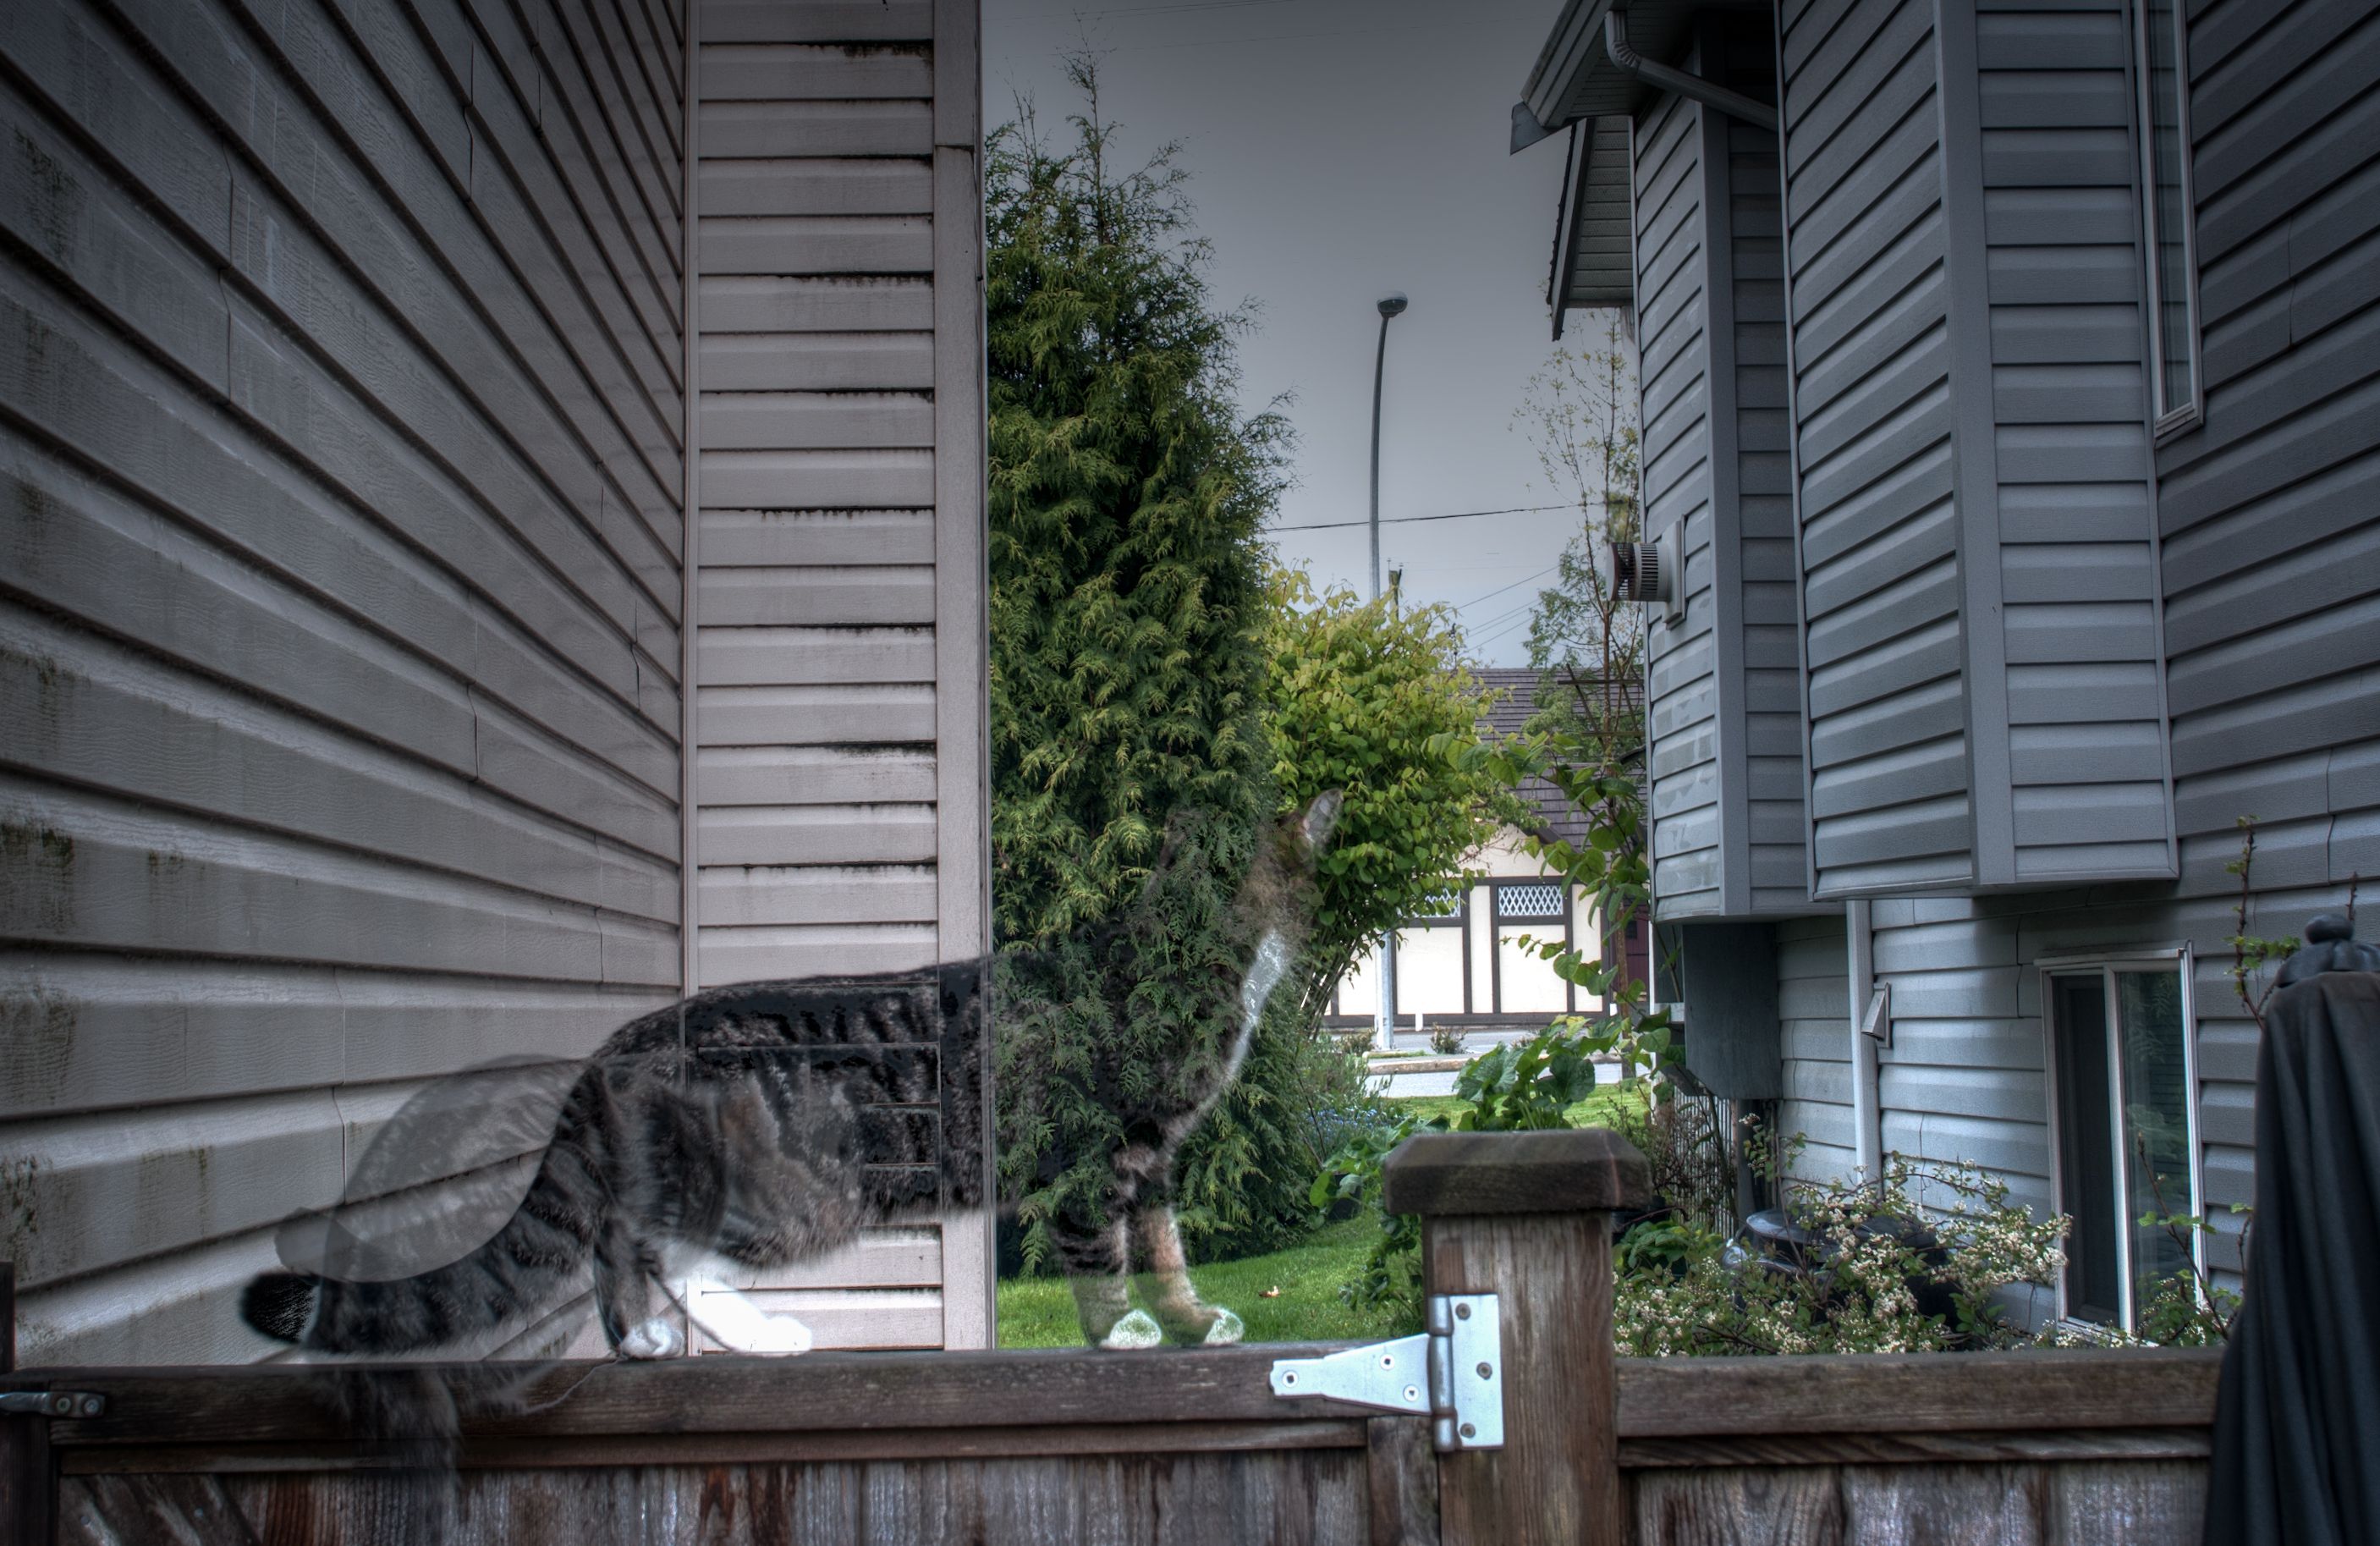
2101,1447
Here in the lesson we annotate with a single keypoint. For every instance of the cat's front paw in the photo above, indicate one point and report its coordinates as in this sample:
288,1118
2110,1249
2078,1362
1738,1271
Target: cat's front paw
1139,1329
1227,1330
655,1339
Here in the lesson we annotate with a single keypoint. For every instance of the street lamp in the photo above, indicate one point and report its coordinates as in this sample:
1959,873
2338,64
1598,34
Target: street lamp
1384,1016
1391,306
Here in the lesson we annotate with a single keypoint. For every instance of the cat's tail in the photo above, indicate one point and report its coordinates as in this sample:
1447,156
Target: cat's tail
519,1269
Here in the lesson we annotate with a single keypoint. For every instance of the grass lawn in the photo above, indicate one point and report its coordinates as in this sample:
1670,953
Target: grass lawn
1040,1312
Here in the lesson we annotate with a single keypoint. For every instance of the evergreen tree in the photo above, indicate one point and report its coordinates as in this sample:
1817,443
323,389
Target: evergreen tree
1127,606
1127,588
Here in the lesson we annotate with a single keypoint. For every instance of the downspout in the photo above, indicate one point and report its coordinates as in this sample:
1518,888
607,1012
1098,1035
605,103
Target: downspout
1694,88
1867,1113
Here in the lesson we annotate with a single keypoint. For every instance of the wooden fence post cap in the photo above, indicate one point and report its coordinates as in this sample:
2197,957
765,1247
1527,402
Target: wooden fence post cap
1565,1169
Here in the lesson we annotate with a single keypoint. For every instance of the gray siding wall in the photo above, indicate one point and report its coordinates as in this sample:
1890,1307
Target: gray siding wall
1869,294
1977,557
1725,696
1814,1011
1771,877
1673,358
840,696
2269,548
2078,580
2271,535
339,588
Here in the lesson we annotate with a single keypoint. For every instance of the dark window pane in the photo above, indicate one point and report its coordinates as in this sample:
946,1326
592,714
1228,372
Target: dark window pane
2156,1121
2086,1148
2162,83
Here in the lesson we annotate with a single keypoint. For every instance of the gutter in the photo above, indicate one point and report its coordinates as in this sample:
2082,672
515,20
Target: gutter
1867,1107
1694,88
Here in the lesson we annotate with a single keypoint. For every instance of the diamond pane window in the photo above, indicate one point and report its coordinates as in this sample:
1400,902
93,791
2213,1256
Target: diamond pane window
1529,901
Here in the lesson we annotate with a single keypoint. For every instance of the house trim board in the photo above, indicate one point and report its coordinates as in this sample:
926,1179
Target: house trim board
961,690
1975,462
1723,471
1793,459
690,555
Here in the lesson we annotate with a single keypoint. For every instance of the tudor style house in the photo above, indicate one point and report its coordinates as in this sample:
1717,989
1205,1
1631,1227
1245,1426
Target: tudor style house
493,540
1470,966
2011,380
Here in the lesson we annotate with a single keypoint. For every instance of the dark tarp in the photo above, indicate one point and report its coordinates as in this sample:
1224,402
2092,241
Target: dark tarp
2296,1426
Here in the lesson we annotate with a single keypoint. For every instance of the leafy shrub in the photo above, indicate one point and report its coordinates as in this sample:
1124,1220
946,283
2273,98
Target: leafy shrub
1447,1040
1515,1087
1908,1263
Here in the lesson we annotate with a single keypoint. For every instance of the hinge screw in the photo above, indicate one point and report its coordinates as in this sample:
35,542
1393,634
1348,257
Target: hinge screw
1463,1312
1469,1432
1485,1372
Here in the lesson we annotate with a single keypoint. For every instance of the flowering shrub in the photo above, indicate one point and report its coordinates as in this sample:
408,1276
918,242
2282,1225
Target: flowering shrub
1907,1264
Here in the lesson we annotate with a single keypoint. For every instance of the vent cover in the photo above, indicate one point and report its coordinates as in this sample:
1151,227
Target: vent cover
1640,571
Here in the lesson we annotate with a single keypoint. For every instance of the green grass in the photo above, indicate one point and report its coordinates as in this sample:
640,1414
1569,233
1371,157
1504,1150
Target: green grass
1040,1312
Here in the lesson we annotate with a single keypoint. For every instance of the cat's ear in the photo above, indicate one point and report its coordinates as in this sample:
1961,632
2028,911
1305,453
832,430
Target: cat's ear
1322,815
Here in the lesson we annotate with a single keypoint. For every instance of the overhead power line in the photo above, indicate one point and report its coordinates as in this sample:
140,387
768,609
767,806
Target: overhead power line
1395,520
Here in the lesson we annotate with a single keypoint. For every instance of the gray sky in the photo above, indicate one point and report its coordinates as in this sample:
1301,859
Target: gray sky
1338,150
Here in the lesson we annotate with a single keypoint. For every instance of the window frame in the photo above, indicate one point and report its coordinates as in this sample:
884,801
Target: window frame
2107,965
2165,421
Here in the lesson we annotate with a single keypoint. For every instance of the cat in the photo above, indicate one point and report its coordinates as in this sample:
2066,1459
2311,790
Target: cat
770,1122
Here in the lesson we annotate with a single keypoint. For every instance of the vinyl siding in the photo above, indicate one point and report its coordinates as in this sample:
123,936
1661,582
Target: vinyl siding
1977,556
1767,653
2271,551
1881,581
2078,577
1726,744
338,612
1814,1011
839,784
1682,700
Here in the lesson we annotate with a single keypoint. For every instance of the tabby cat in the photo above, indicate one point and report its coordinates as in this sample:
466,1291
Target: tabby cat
768,1122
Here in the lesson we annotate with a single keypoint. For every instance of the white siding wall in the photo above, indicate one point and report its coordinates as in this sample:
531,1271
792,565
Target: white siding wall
339,587
839,784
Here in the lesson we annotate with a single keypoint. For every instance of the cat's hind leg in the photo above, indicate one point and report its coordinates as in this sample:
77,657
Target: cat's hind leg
1094,1260
1166,1286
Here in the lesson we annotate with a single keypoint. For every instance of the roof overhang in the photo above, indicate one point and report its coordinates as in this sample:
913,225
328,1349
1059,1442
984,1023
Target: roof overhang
1594,257
1575,77
1577,86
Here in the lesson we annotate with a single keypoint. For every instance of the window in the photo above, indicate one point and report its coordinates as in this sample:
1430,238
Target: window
2160,63
2122,1085
1529,901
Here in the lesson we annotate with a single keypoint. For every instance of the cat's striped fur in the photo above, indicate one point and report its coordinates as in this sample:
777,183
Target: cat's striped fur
770,1121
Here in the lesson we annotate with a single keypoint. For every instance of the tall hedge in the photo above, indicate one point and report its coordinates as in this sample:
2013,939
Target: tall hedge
1127,606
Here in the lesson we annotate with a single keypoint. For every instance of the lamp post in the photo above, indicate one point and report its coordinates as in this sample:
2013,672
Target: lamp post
1384,1017
1391,306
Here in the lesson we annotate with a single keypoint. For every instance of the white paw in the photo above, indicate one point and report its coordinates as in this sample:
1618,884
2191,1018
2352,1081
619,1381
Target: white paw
739,1324
1138,1329
655,1339
1227,1330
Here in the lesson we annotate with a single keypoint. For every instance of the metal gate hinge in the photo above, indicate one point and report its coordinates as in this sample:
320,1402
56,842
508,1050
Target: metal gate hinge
1454,1373
52,1404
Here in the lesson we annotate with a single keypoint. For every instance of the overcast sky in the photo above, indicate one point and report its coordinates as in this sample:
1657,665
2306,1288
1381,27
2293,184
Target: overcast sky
1339,150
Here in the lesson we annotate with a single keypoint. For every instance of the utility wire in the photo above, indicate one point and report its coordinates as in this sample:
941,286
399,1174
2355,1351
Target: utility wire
1396,520
1464,607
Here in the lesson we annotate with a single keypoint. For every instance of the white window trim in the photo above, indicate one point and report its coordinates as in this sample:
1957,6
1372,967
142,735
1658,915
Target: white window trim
2107,963
2179,418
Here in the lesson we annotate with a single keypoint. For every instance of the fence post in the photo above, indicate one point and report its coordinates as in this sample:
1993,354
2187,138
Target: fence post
1527,1217
26,1485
